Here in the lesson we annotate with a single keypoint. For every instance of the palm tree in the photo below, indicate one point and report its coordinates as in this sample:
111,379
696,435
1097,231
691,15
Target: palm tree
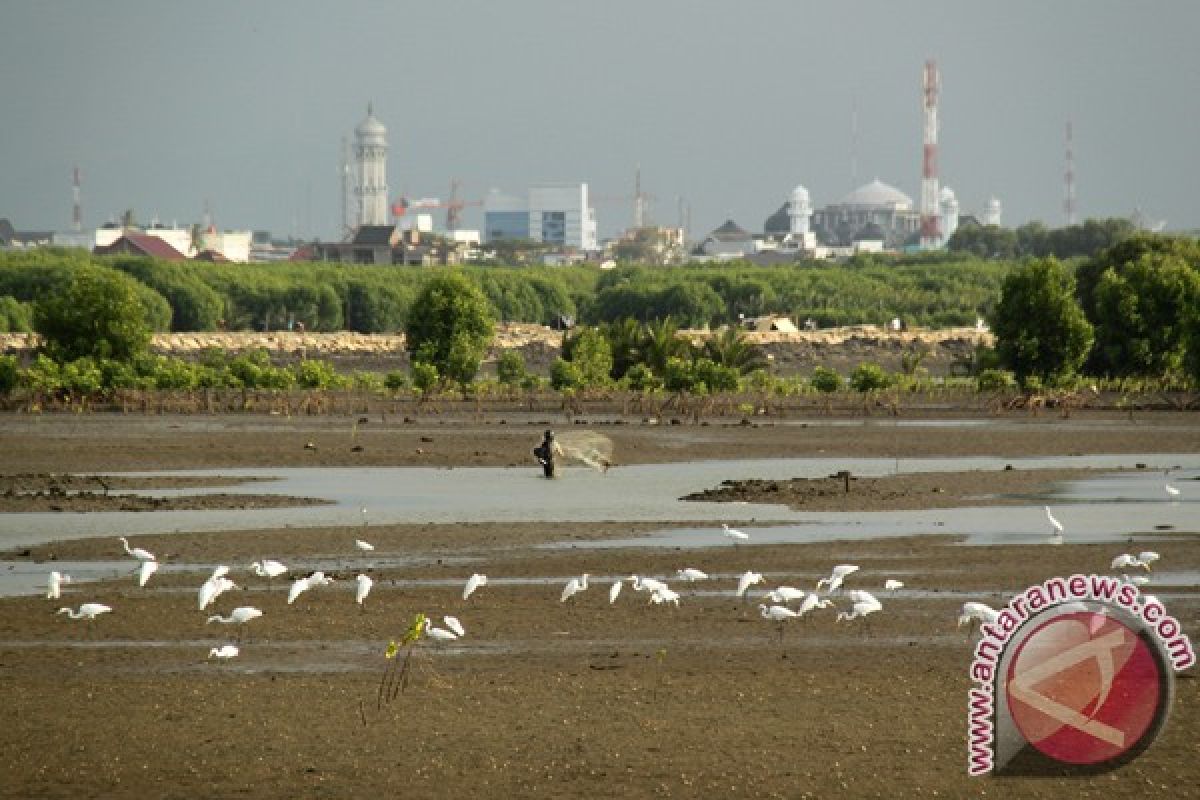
660,342
730,348
625,340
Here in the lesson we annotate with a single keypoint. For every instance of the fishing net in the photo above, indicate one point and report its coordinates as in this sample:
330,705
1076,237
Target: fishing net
587,447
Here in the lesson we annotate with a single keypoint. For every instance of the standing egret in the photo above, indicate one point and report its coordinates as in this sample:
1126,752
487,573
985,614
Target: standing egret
974,614
614,591
473,583
86,611
54,584
1057,536
364,588
239,616
224,653
453,624
891,585
147,569
646,584
438,634
785,594
747,580
1148,557
268,568
137,552
836,577
864,605
734,534
1125,560
574,587
778,615
691,575
366,547
664,595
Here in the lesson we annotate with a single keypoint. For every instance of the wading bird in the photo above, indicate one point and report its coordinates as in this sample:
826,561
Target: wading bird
574,587
473,583
224,653
891,585
784,595
1148,557
1125,561
1057,536
836,577
364,588
778,615
302,585
646,584
213,588
747,580
734,534
137,552
975,614
453,624
614,591
147,569
86,611
864,604
438,634
811,601
239,616
54,584
268,568
366,547
690,575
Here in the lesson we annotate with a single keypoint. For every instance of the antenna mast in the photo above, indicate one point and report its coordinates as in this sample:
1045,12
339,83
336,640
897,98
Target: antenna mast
1069,201
76,207
930,236
639,200
347,227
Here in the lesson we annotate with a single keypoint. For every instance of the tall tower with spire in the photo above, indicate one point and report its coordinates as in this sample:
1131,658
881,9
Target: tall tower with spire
370,170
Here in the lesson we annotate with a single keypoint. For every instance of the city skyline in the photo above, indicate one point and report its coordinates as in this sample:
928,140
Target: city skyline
167,109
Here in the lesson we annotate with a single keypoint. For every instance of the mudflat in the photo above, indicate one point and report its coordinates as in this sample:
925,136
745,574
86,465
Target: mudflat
543,698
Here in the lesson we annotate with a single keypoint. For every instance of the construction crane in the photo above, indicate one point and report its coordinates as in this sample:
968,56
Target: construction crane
453,206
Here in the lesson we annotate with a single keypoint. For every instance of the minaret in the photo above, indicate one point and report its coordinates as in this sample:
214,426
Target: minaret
370,170
799,211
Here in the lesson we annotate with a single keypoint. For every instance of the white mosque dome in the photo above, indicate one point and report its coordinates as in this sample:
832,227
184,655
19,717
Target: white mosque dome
878,194
371,127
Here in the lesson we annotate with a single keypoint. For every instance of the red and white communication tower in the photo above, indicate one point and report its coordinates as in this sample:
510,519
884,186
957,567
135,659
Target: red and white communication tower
930,233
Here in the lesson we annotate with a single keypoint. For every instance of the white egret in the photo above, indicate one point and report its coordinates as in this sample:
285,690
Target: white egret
366,547
747,580
301,585
974,614
453,624
1057,536
574,587
734,534
1148,557
364,588
225,652
785,594
239,616
473,583
211,589
664,595
691,575
778,615
219,571
811,601
1125,561
54,584
891,585
137,552
646,584
86,611
147,569
861,608
438,634
614,591
836,577
268,568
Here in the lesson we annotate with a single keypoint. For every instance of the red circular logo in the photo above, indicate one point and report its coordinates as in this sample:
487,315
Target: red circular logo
1084,688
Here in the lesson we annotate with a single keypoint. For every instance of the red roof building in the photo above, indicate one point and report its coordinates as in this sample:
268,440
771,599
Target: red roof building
141,244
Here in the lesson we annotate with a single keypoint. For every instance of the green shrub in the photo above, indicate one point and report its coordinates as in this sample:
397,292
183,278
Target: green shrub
565,375
990,380
424,376
510,368
869,378
825,380
315,374
10,374
395,380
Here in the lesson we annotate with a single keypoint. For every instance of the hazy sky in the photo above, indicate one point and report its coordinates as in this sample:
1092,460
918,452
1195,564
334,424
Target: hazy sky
166,105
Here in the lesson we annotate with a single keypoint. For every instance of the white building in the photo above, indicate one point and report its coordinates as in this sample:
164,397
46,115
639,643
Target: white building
948,204
560,214
991,212
370,171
